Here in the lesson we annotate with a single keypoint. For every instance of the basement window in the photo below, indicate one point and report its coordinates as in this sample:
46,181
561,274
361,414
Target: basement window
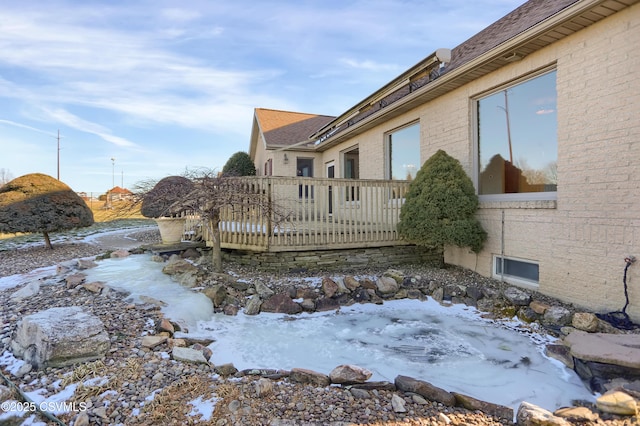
516,271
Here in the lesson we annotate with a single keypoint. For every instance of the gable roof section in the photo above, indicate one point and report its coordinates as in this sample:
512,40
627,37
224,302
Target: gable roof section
527,29
286,128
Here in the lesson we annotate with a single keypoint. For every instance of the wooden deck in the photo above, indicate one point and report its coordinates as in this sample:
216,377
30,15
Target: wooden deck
319,213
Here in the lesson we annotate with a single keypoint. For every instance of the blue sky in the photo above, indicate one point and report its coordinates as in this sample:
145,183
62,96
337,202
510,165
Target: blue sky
165,85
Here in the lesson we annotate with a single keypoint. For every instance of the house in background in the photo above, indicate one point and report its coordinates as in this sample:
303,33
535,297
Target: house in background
280,144
542,108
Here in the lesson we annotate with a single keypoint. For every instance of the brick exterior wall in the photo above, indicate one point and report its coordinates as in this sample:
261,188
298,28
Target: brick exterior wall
580,241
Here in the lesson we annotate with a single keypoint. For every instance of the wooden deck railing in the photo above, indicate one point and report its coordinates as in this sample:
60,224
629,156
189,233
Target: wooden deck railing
319,213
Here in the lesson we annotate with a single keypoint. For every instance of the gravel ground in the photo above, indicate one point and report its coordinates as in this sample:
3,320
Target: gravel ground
135,372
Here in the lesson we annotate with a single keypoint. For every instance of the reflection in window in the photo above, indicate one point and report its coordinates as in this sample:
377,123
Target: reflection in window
517,137
403,153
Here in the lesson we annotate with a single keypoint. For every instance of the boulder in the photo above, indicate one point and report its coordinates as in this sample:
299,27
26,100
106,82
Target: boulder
470,403
59,337
304,376
398,404
617,403
152,341
532,415
217,294
326,304
347,374
616,349
225,370
119,254
351,283
329,287
577,414
425,389
253,305
557,315
74,280
179,266
386,285
516,296
31,289
94,287
188,355
86,264
585,321
539,307
263,291
264,387
281,304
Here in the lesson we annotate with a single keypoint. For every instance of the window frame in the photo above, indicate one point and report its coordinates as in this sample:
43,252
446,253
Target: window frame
387,148
520,196
514,279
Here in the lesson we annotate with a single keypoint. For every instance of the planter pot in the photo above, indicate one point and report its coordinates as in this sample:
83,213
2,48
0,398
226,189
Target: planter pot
171,229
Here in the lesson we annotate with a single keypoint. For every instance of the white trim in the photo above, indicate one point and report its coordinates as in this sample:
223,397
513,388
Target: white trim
513,279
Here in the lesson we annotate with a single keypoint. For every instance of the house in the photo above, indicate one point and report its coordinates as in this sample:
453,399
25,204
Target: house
542,108
119,194
275,133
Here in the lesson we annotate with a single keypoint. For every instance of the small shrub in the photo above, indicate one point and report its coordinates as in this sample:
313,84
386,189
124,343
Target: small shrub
240,164
440,206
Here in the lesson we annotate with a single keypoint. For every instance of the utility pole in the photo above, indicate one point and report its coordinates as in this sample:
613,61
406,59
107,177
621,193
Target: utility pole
58,154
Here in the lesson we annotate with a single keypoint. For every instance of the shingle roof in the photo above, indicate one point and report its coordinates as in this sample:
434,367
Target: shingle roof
507,27
285,128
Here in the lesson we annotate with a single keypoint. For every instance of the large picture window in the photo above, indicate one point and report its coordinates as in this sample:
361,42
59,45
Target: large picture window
403,153
517,138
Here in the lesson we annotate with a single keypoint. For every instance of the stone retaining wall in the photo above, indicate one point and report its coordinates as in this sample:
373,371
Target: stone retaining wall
337,259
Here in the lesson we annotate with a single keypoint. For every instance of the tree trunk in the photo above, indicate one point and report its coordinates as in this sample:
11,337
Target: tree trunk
217,251
47,240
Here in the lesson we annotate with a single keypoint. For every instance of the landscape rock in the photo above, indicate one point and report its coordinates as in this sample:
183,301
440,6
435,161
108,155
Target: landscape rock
264,387
29,290
347,374
557,315
188,355
119,254
179,266
398,404
617,402
539,307
152,341
561,353
386,285
425,389
516,296
329,287
74,280
253,305
585,321
577,414
217,294
225,370
532,415
616,349
496,410
59,337
263,291
282,304
360,393
165,325
302,375
94,287
86,264
351,283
